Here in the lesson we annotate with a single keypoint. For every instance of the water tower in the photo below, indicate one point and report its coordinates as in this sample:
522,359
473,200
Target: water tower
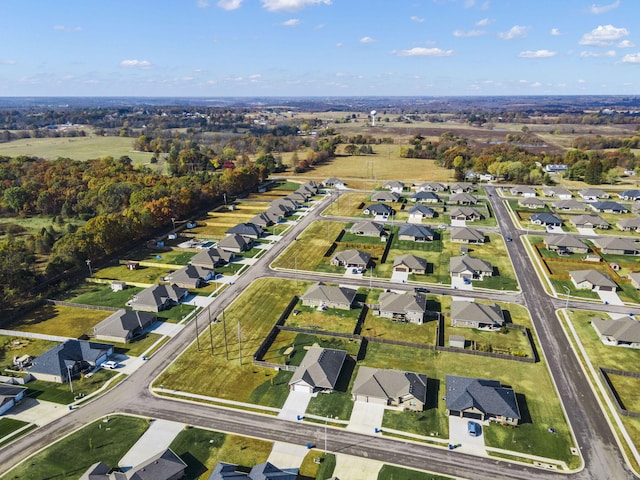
373,118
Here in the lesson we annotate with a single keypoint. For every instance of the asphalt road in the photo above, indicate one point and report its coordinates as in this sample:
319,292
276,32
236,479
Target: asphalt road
602,457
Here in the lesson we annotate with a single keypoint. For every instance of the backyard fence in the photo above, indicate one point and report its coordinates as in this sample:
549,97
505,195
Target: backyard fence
604,373
84,306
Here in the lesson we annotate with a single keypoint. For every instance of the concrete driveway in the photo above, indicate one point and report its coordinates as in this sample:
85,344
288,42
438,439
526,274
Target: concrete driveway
198,301
296,404
458,223
287,455
166,328
458,434
39,412
155,440
460,284
365,418
610,298
400,277
356,468
586,231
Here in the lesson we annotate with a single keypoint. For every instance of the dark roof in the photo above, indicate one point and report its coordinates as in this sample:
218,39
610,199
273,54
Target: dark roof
159,467
546,219
422,195
412,230
157,295
55,360
390,384
487,396
380,209
211,257
608,205
122,321
262,471
423,209
320,367
246,230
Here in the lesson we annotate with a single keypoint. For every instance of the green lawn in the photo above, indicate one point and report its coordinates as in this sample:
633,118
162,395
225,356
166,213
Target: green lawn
299,341
144,275
257,310
102,295
347,205
392,472
10,425
61,393
385,328
70,457
18,346
627,389
173,257
139,345
57,320
330,320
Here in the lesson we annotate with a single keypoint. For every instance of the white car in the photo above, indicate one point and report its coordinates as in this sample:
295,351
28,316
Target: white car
110,364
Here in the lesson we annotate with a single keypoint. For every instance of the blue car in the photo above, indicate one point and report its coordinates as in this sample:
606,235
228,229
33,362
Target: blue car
474,429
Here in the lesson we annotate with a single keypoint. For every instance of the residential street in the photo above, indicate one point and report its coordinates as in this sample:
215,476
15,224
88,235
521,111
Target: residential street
598,445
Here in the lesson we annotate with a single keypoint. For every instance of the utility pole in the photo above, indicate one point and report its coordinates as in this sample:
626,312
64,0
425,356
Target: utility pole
239,342
197,333
88,262
210,334
224,331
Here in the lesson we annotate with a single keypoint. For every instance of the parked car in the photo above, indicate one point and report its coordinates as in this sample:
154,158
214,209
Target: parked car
474,429
110,364
508,239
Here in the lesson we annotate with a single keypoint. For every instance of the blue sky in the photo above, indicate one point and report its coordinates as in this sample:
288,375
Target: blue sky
318,47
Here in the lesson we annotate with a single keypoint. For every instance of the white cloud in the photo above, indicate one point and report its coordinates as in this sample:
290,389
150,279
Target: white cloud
229,4
469,3
485,5
626,44
135,63
537,54
603,35
555,32
484,22
64,28
367,40
536,84
631,58
517,31
608,53
417,19
291,5
292,22
202,3
470,33
598,9
423,52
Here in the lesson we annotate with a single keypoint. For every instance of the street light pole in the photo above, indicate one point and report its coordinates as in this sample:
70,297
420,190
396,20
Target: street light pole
69,375
566,305
88,262
173,221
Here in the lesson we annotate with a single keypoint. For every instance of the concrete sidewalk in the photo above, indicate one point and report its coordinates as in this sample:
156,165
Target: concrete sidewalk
155,440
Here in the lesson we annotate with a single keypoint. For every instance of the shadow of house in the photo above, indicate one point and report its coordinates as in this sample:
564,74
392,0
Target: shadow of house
433,393
525,415
342,384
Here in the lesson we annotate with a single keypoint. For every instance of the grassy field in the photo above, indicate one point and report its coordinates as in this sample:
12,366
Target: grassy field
627,388
331,319
10,425
57,320
257,310
347,204
73,455
78,148
144,275
391,472
99,294
307,253
218,221
299,341
378,327
17,346
173,257
60,392
203,449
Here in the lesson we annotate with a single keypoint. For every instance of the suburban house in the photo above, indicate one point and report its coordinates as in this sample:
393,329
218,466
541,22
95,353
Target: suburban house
559,192
235,243
163,466
481,399
367,229
593,280
466,235
299,196
531,202
546,219
608,207
430,187
630,195
415,233
262,471
410,264
622,332
385,197
318,371
394,186
351,258
285,205
591,194
403,307
472,268
378,210
565,244
268,218
476,315
10,396
628,224
334,183
570,204
123,325
68,359
406,390
425,197
322,295
553,169
468,214
617,246
523,191
418,212
247,230
463,199
461,187
191,276
211,258
158,297
589,220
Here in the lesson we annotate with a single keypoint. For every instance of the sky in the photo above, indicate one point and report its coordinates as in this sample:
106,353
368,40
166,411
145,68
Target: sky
218,48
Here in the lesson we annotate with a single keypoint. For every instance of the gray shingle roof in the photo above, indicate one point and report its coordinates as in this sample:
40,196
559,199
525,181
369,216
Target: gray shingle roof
121,322
385,197
211,257
566,241
463,263
402,303
477,312
546,219
594,277
235,241
608,206
250,230
389,384
467,233
423,209
367,228
589,220
157,295
320,367
55,360
488,396
467,212
463,198
379,209
613,243
162,466
353,257
417,231
569,205
411,261
330,294
625,329
425,196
